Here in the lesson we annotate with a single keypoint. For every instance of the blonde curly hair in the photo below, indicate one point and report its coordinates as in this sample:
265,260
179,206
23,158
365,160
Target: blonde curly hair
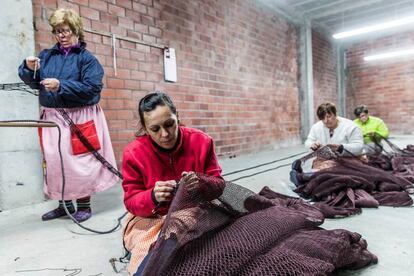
67,17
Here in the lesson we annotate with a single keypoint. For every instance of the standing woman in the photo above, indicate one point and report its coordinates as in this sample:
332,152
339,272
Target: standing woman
69,77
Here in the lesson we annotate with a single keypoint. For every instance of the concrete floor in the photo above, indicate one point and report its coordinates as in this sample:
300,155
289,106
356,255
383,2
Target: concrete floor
29,246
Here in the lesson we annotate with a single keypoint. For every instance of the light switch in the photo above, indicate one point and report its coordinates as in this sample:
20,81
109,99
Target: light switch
170,65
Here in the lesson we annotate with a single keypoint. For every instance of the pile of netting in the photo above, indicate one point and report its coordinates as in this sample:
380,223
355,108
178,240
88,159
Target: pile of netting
399,161
349,184
215,227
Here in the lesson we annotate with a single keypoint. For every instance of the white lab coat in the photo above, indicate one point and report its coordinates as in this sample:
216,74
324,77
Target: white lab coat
347,134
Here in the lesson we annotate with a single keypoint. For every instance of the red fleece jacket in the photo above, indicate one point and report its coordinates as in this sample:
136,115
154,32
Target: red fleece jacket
143,164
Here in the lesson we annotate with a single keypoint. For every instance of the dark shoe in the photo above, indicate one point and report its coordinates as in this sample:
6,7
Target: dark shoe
56,213
297,166
83,214
294,178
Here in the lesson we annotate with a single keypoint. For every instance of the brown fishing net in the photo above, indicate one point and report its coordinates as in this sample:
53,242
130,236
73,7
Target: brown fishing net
400,162
215,227
350,184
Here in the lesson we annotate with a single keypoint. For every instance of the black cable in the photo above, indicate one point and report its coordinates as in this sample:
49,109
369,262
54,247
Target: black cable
127,254
271,169
64,205
24,87
263,164
260,172
20,86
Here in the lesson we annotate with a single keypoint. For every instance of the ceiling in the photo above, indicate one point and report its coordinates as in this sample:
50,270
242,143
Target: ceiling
333,16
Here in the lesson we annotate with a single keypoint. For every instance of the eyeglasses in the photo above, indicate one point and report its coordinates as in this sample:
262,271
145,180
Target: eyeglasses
65,32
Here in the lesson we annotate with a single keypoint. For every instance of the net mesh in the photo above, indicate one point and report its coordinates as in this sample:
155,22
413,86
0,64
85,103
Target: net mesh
349,184
398,161
215,227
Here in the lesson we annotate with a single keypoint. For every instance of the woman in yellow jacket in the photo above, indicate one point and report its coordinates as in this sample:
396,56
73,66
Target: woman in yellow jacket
373,129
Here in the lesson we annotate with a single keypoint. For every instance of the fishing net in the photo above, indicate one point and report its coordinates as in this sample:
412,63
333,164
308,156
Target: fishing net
349,184
215,227
396,160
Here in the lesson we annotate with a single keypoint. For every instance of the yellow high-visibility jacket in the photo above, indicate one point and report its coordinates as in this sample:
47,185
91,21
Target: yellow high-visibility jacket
373,124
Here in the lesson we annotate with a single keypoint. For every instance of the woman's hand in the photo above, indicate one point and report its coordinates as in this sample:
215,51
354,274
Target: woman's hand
186,173
315,146
51,84
163,190
337,147
372,134
33,63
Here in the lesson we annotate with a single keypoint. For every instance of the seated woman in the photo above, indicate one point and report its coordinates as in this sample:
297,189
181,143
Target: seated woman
342,135
373,129
153,164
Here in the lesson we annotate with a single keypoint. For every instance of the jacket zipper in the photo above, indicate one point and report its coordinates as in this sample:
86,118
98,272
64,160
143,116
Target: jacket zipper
61,68
58,76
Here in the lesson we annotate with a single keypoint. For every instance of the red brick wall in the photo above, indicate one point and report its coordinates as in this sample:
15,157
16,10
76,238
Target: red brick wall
237,66
386,86
325,81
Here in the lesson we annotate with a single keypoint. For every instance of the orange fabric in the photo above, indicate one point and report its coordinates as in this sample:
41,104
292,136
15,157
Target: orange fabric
321,164
139,234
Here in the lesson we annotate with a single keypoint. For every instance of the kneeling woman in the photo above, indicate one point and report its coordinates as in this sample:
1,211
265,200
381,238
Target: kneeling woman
153,164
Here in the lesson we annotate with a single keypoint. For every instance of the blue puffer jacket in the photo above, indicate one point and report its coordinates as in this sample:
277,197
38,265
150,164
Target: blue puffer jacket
79,73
